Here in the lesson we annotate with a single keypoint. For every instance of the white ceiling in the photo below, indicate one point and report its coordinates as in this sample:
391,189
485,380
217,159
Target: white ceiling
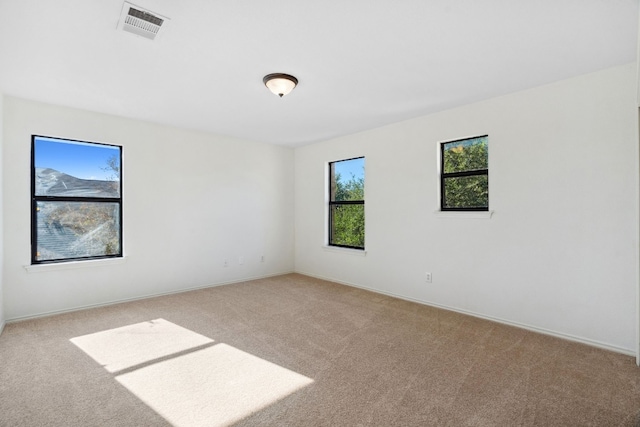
361,63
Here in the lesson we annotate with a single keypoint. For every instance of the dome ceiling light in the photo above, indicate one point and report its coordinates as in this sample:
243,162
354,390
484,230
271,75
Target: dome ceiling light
280,84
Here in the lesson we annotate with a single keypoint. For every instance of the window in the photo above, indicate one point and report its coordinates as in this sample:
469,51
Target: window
464,180
76,194
346,203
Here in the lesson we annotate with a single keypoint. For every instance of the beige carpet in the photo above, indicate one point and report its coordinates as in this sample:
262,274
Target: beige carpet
297,351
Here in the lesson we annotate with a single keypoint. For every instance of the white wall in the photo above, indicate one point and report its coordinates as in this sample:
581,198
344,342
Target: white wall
2,318
190,200
560,252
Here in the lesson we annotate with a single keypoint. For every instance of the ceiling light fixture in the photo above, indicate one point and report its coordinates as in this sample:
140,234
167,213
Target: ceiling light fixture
280,84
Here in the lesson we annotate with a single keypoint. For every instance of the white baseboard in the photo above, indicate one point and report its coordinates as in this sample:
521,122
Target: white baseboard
587,341
2,324
120,301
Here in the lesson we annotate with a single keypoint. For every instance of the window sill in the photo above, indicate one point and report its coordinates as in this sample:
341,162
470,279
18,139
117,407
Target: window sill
464,214
73,265
357,252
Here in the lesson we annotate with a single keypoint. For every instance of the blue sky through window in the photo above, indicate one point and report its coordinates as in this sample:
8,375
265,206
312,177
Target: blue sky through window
347,167
464,143
75,158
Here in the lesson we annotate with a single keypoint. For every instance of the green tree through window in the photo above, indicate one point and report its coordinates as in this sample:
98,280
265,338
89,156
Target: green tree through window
464,183
346,203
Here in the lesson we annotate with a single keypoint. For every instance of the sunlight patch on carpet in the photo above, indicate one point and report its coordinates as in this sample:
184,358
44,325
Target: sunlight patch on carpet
216,386
186,377
133,345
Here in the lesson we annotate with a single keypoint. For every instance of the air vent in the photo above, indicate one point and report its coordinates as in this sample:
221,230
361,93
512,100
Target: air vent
141,22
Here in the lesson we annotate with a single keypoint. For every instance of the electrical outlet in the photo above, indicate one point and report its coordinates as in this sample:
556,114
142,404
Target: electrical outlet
262,258
240,260
427,277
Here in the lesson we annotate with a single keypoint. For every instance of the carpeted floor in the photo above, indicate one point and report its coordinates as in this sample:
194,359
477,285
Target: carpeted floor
297,351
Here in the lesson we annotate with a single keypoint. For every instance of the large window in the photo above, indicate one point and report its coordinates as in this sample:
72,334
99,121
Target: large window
76,194
464,179
346,203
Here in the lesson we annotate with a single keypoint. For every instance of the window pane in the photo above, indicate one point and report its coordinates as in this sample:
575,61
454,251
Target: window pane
347,180
75,229
76,169
347,225
466,155
466,192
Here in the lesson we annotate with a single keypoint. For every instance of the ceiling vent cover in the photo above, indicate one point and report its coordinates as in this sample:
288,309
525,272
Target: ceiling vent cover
141,22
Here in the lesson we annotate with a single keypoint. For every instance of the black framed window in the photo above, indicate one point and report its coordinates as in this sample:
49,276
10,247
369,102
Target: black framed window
76,200
464,179
346,203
